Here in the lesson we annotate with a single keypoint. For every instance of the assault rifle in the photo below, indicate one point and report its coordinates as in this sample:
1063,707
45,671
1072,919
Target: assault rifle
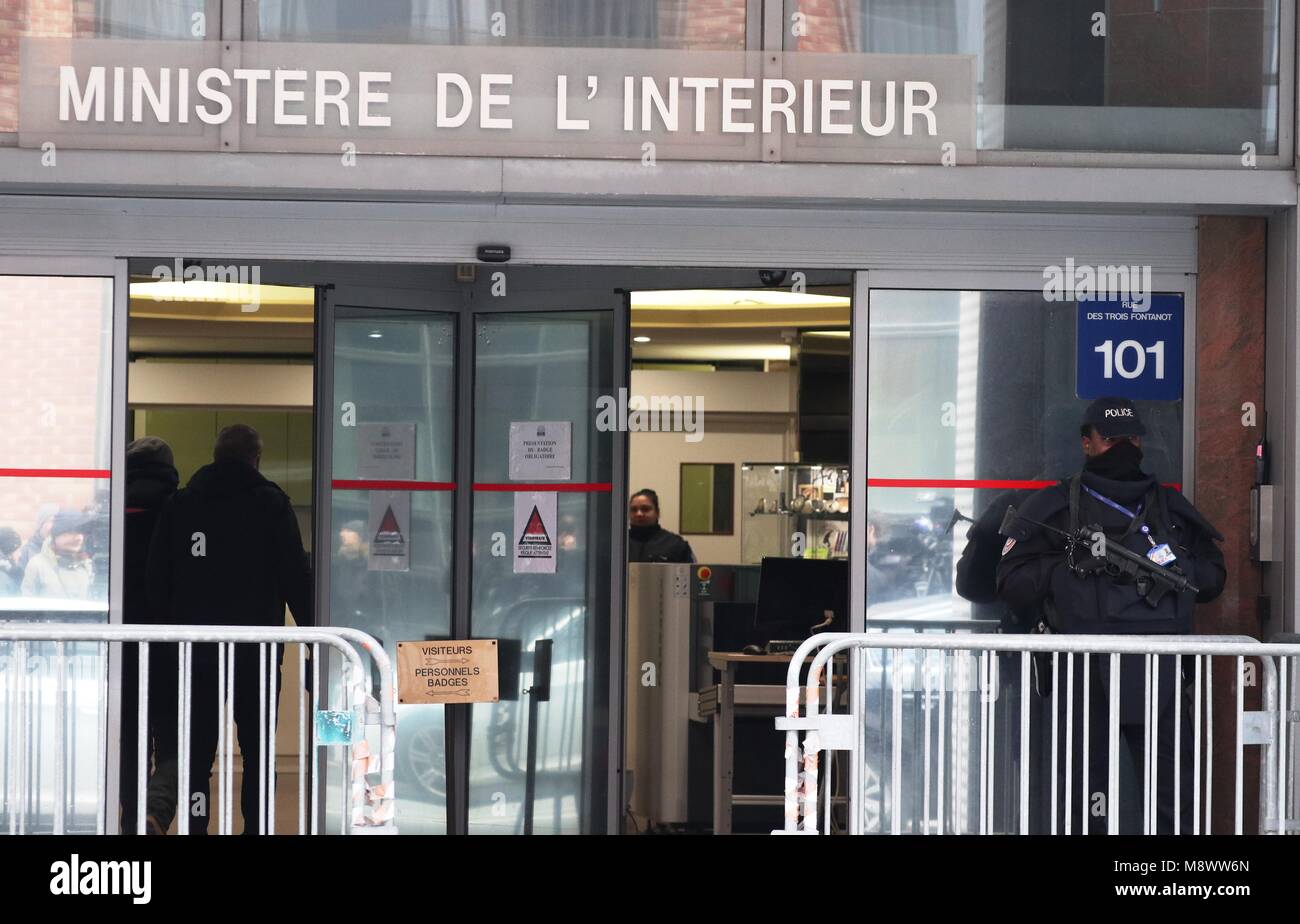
1152,581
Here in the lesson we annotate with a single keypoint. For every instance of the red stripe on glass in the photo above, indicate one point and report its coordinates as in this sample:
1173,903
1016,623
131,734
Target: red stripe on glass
343,484
55,473
591,486
956,483
996,484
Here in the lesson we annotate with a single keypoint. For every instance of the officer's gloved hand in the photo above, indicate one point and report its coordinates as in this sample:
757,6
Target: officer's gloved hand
1084,561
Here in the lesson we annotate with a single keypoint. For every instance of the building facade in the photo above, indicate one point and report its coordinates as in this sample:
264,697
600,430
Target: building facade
1008,160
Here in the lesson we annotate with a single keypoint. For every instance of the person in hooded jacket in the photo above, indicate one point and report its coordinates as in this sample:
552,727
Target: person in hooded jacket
62,570
647,541
151,480
227,551
36,541
1073,593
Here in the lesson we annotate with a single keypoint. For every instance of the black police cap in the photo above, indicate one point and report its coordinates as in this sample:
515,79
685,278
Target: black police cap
1114,417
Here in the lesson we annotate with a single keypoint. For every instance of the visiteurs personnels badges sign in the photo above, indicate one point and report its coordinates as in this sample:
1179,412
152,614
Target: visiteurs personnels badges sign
642,104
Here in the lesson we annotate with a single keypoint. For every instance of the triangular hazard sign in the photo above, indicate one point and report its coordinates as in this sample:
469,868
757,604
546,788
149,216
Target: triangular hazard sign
389,531
535,530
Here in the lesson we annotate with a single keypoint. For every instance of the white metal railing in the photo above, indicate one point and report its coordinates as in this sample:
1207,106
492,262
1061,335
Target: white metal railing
1024,733
56,675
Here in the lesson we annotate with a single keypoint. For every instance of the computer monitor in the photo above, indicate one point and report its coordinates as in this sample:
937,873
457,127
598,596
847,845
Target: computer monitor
794,595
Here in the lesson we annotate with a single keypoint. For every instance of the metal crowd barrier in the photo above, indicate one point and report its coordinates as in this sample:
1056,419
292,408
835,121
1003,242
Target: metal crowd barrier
56,675
996,733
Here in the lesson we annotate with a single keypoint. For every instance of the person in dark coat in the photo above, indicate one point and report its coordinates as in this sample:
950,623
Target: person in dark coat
151,480
227,551
353,591
647,541
1073,593
11,575
977,569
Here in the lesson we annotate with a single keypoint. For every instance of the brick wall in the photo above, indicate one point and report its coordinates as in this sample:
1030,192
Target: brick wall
44,18
1230,309
832,26
53,333
703,25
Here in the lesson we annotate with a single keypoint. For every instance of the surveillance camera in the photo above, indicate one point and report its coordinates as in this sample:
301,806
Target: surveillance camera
771,278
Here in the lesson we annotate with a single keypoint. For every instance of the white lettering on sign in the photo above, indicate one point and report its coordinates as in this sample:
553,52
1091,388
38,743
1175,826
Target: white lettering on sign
500,101
1129,358
83,99
830,106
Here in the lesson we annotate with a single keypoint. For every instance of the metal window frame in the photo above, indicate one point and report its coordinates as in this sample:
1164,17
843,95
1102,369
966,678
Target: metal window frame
765,31
981,280
116,270
774,11
1281,400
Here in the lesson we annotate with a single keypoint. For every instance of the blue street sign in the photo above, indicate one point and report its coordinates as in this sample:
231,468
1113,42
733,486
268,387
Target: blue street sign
1130,351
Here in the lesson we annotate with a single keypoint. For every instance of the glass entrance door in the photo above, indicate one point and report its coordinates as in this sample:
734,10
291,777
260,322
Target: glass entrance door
541,569
385,539
467,494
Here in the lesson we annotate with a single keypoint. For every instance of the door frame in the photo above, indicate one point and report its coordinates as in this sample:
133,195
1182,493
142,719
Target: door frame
530,288
1162,280
434,289
115,269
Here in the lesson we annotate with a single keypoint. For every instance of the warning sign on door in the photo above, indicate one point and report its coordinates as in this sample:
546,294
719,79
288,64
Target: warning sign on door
535,533
390,531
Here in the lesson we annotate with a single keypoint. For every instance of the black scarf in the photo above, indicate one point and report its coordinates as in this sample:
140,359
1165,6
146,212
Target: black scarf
1122,462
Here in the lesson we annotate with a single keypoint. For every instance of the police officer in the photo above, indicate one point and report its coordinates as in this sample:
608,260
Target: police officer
1040,571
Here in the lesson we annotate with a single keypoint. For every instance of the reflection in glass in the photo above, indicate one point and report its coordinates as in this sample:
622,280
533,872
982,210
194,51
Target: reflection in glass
172,20
37,710
969,386
694,24
1053,77
542,367
398,368
56,382
149,19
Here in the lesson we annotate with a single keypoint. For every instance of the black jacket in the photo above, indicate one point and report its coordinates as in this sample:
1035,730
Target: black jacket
977,569
149,485
227,551
656,544
1033,574
977,578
